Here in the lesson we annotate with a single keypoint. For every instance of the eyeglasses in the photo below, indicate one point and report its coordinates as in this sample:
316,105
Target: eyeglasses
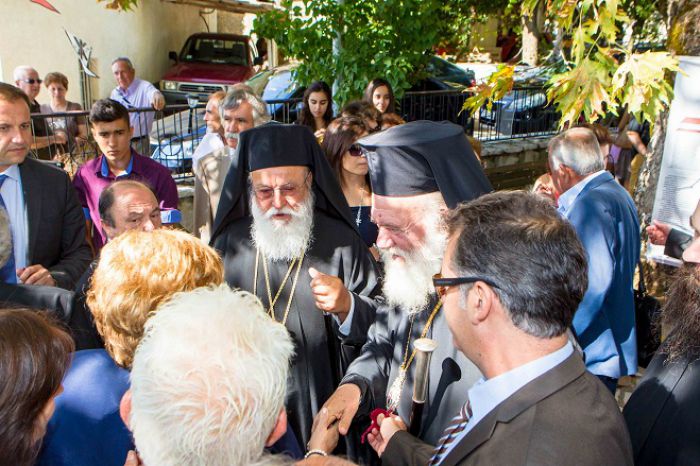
266,193
442,284
32,81
355,150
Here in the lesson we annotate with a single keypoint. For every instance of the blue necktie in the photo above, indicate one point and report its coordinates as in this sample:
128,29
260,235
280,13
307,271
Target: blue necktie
8,272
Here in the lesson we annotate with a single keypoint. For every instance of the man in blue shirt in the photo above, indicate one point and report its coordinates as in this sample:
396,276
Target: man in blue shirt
605,219
513,275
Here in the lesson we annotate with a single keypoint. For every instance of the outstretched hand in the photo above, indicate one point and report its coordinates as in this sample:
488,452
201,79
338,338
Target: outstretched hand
388,426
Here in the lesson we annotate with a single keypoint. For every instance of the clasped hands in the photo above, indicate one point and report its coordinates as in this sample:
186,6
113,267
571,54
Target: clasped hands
337,414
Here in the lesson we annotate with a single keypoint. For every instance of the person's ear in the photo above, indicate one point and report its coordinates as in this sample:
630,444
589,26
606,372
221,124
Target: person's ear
125,408
481,301
131,132
279,430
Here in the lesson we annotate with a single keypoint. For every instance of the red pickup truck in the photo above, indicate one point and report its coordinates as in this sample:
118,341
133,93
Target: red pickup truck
207,63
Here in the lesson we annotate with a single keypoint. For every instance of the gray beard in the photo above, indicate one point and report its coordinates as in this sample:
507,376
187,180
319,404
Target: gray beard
409,285
279,241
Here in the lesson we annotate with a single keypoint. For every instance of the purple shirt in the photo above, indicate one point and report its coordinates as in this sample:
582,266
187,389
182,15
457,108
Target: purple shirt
139,94
94,177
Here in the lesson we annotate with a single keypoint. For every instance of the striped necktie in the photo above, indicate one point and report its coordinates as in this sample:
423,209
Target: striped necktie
451,432
8,272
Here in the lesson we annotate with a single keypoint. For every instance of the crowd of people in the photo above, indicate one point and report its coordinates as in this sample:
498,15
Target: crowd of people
354,292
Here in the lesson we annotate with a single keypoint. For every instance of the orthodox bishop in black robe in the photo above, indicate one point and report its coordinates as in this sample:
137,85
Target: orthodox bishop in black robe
323,348
410,162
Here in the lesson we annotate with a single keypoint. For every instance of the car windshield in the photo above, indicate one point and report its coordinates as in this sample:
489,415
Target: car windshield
220,51
280,86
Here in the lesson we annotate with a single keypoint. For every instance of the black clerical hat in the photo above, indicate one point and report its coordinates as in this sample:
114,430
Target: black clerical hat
278,145
423,157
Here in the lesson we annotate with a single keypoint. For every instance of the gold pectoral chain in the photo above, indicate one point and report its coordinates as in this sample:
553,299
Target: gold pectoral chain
406,360
272,301
394,392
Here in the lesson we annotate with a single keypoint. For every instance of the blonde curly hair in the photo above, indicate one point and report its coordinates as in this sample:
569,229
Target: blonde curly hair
137,271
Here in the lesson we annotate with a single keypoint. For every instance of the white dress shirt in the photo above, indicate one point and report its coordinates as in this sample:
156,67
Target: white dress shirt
139,94
13,197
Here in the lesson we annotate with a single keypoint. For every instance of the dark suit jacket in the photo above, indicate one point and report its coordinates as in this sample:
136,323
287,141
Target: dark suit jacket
56,223
662,413
564,417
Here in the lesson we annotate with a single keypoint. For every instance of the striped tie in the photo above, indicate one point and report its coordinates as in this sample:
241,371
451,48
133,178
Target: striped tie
458,424
8,274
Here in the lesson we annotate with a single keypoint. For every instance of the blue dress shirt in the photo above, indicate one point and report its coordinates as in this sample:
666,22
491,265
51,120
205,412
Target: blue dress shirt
13,197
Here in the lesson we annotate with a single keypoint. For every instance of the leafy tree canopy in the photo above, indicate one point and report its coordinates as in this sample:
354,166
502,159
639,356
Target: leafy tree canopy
599,76
386,39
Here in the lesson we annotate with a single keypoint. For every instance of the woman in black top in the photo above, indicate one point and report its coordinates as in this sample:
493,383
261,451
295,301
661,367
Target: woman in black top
317,111
350,166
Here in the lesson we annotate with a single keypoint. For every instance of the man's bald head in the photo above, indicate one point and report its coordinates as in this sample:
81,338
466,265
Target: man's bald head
128,205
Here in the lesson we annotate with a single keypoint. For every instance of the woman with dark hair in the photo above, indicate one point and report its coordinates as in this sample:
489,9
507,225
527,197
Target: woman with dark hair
350,166
317,111
365,111
34,356
380,94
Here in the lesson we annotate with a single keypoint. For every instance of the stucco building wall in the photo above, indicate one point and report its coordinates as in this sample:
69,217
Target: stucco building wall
32,35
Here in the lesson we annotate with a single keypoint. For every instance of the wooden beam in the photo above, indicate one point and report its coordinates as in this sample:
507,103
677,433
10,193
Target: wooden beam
231,6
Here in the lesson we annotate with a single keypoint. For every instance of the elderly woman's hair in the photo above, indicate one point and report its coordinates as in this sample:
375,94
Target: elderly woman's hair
34,356
305,116
236,96
212,400
518,241
372,86
56,77
139,270
340,135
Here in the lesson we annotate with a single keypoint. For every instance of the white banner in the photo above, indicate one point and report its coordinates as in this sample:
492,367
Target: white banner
679,181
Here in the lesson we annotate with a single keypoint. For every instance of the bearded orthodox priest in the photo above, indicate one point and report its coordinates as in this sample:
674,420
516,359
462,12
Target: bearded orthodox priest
418,170
286,234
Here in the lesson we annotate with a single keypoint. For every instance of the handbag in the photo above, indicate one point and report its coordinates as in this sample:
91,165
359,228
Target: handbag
646,312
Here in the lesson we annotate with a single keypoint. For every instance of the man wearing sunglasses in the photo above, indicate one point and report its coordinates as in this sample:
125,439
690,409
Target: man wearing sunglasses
418,170
27,79
513,276
286,234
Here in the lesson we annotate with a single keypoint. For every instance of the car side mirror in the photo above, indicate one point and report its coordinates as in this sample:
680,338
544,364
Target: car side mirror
172,55
258,60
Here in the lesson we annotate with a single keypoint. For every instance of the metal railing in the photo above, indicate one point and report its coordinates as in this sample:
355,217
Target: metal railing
175,132
523,112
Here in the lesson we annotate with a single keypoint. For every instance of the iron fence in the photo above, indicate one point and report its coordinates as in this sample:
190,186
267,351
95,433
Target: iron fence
175,132
523,112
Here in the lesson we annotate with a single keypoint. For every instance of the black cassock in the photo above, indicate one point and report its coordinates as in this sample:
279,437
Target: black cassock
451,374
321,352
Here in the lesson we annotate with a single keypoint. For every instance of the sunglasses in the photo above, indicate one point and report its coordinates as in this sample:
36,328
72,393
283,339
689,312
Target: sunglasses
32,81
442,284
355,150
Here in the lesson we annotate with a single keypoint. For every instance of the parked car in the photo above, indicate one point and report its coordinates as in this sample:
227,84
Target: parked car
524,109
208,62
283,95
175,137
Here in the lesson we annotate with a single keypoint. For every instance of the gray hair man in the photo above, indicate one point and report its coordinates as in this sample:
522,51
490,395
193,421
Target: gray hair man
27,79
216,396
134,93
513,275
239,110
605,218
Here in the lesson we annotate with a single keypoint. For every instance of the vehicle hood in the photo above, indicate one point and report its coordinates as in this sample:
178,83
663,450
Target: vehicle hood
200,72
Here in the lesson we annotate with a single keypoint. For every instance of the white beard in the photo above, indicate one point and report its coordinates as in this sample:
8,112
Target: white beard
279,240
409,284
